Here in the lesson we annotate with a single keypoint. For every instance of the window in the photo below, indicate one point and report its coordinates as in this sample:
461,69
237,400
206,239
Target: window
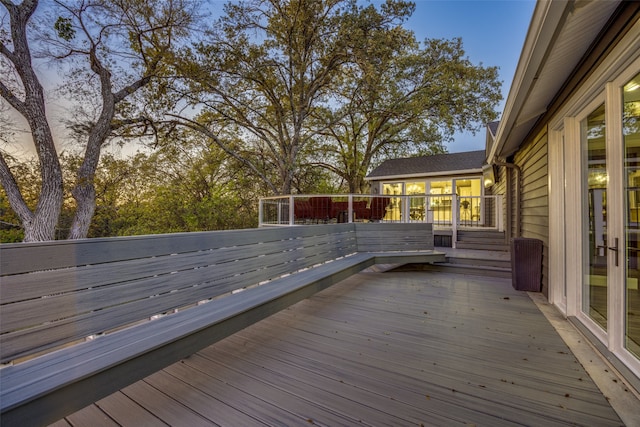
416,192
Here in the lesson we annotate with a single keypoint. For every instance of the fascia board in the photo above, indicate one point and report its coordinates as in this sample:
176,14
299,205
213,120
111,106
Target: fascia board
547,18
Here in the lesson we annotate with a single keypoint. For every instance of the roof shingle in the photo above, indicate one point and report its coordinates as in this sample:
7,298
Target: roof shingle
426,165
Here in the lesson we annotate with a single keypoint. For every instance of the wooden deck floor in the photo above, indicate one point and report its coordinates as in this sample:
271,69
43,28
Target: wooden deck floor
393,348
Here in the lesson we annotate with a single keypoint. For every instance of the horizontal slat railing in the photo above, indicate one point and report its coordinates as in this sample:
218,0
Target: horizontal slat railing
56,293
66,302
383,237
115,319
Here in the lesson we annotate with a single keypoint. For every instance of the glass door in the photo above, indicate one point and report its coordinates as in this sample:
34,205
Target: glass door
594,231
631,181
610,194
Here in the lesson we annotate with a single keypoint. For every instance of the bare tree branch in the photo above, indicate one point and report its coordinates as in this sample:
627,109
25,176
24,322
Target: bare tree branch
198,127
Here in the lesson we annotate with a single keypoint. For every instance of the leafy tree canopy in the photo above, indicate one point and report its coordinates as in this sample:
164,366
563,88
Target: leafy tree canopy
335,84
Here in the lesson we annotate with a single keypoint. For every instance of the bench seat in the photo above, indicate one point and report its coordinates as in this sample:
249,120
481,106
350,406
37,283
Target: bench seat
50,386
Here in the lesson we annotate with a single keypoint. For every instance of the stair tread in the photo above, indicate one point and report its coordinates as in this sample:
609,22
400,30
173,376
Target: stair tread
496,242
479,267
469,270
489,246
480,239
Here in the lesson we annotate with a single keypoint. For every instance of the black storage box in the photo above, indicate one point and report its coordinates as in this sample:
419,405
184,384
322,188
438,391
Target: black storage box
526,264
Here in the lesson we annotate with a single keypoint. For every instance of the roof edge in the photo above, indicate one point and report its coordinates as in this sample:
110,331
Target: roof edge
425,175
547,18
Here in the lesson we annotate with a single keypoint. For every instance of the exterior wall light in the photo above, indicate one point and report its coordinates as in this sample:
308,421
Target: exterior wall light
488,176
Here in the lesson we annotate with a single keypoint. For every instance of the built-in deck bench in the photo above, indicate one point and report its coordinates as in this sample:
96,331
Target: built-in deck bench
82,319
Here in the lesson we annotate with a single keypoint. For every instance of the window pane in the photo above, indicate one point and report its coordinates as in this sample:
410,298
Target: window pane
417,200
594,252
440,201
470,192
394,209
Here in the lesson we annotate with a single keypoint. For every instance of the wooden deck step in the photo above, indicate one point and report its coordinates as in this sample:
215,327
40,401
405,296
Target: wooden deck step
481,233
489,261
470,262
487,245
467,269
482,240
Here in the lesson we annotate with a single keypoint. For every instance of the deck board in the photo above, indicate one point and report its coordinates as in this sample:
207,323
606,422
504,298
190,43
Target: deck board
91,415
393,348
122,409
162,406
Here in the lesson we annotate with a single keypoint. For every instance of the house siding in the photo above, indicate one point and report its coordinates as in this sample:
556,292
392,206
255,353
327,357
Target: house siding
532,157
532,160
610,59
500,187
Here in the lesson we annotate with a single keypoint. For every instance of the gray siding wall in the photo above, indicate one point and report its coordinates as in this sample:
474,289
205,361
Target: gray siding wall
500,187
532,159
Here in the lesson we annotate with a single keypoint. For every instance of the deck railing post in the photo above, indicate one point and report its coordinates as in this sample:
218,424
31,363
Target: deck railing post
499,213
454,220
278,212
429,210
292,216
405,208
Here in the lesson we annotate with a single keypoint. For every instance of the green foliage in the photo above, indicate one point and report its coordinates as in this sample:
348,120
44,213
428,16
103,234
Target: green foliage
172,191
29,181
291,96
264,68
178,188
288,86
64,28
11,235
185,186
10,229
401,99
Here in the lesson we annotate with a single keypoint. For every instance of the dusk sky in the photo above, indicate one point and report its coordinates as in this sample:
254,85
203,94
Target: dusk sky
492,32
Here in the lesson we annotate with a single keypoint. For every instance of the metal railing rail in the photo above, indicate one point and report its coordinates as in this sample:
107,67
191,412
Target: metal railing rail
446,211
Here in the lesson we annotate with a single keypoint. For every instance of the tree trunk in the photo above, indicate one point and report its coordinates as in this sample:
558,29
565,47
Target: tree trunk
47,213
40,224
85,196
286,183
84,191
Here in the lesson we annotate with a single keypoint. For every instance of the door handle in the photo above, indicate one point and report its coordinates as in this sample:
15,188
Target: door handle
615,249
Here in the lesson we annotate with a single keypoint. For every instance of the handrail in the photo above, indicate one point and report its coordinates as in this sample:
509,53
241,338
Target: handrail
444,211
